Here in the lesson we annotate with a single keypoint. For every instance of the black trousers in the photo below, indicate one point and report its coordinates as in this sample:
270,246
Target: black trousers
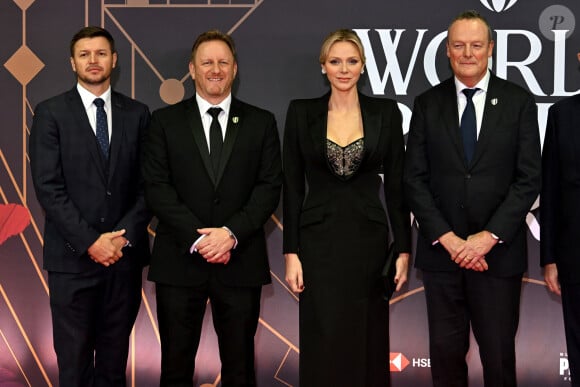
571,308
490,305
180,312
92,316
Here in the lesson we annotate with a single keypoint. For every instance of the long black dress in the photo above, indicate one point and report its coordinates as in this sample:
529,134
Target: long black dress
335,222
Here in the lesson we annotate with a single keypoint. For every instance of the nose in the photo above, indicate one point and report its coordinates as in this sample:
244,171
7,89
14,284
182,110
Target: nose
215,68
92,57
467,51
343,67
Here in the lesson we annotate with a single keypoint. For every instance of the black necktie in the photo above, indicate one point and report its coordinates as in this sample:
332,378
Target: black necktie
102,131
215,138
469,125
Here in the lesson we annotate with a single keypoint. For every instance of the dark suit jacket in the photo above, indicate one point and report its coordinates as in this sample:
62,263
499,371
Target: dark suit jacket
305,160
183,194
493,193
560,197
82,195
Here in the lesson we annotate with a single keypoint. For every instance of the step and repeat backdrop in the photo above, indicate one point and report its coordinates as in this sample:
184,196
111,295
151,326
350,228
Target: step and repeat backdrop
278,43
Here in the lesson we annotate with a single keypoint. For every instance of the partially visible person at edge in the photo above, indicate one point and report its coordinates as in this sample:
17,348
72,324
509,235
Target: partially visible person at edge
85,147
560,218
472,172
336,235
213,176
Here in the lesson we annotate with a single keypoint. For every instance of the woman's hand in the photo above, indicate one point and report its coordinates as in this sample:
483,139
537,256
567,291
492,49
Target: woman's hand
294,273
402,265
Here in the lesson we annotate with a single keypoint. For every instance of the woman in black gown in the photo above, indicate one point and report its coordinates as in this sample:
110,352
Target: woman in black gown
336,150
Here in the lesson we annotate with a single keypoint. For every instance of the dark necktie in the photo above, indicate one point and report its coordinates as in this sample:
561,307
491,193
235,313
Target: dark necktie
102,131
469,125
215,138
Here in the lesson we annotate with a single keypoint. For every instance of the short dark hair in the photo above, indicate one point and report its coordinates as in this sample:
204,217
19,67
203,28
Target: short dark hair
91,32
213,35
472,15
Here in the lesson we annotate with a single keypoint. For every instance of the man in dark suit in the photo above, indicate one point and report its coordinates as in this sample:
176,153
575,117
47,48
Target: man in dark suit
95,234
560,218
213,175
472,172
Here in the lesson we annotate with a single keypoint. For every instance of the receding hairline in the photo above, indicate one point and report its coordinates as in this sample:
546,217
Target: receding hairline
212,36
471,15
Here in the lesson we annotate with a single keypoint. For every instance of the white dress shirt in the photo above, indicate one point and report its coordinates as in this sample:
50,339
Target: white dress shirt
478,99
206,118
88,99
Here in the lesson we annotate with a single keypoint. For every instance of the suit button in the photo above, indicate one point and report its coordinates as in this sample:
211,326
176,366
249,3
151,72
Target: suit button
468,176
461,206
102,220
108,193
216,200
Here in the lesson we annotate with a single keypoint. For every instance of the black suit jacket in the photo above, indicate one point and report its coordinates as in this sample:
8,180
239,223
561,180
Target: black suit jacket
82,194
183,194
306,163
493,193
560,197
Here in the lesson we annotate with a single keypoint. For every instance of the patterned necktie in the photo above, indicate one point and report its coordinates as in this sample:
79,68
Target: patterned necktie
102,127
469,125
215,138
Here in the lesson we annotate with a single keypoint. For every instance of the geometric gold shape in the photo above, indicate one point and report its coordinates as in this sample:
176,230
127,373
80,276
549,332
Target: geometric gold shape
24,65
133,3
171,91
23,4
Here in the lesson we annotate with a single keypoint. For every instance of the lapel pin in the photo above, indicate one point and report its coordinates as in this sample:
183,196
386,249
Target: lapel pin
494,101
235,119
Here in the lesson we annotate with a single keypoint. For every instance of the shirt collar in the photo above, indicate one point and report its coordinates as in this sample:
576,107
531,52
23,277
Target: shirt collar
88,98
482,85
204,105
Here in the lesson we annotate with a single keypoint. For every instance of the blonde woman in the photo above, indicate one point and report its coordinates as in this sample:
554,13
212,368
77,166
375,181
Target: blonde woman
336,148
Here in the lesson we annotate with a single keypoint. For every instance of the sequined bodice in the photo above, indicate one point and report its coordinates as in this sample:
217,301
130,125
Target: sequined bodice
345,160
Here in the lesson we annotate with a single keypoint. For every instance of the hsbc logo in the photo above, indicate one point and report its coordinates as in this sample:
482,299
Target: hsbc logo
398,362
498,5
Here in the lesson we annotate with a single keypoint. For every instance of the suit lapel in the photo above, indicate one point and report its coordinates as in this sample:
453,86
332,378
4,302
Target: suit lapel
195,124
234,125
371,126
86,132
118,119
317,120
491,116
450,116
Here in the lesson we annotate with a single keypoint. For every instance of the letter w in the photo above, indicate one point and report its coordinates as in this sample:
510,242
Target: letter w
393,69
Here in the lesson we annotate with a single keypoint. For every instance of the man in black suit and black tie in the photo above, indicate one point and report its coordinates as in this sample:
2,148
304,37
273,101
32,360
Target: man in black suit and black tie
472,172
85,150
212,169
560,218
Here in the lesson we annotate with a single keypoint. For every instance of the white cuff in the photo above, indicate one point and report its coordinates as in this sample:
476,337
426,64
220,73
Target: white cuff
193,248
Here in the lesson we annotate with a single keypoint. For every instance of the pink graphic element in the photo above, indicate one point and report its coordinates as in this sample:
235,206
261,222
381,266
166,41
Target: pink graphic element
14,218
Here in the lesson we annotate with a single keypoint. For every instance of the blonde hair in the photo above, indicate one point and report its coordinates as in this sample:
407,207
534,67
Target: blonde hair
342,35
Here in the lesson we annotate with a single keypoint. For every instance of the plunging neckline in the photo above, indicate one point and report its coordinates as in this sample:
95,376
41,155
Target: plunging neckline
347,145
